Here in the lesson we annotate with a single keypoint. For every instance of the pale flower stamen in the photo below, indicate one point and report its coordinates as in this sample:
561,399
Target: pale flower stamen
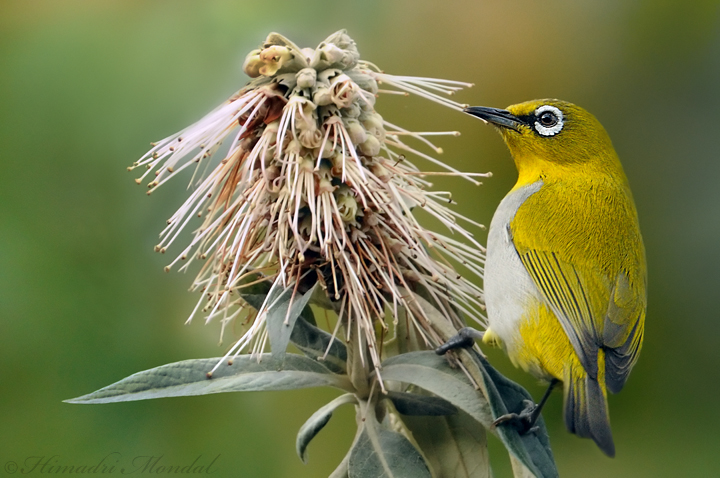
315,180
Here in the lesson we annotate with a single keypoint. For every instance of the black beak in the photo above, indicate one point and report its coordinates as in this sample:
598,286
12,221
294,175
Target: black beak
502,118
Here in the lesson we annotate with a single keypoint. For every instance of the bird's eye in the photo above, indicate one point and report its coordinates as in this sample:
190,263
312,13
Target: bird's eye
549,120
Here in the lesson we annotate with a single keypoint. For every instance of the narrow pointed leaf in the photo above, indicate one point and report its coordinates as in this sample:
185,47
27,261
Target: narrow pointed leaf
408,338
255,293
317,422
532,449
189,377
455,446
381,453
421,405
520,470
281,319
313,342
307,313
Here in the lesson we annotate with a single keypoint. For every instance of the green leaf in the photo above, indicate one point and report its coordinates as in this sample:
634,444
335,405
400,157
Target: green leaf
455,446
310,340
189,377
501,395
520,470
408,337
434,374
255,293
444,310
381,453
307,313
313,342
420,405
532,449
317,422
281,318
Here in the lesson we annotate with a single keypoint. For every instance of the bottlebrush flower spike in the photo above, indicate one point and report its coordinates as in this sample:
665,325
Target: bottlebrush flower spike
315,187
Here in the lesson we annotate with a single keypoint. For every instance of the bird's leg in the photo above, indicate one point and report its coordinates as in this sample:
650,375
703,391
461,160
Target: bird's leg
464,338
526,419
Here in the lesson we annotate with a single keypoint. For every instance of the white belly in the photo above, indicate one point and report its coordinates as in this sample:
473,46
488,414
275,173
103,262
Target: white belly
509,289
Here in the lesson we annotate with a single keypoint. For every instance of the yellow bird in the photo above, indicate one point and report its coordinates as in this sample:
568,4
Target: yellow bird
565,277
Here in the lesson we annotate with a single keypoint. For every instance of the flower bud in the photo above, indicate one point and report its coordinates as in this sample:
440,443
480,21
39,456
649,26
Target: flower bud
368,106
373,123
331,53
273,58
352,111
356,131
252,64
343,91
293,147
272,173
271,130
380,172
310,137
322,95
364,81
325,186
371,146
306,78
348,207
307,165
337,51
327,150
337,164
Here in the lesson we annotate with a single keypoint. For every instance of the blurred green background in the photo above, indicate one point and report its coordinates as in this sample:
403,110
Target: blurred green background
86,85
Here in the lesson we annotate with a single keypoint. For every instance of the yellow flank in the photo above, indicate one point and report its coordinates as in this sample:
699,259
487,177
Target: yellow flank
543,349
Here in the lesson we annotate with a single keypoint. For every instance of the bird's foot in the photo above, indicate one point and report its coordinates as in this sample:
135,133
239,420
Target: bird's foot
523,422
464,338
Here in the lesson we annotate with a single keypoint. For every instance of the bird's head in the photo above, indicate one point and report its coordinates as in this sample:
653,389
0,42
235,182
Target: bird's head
550,132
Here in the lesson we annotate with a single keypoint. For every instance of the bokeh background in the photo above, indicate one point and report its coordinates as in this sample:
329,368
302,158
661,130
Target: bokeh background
86,85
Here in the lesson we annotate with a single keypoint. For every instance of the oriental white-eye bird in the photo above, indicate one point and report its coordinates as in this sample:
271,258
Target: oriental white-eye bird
565,275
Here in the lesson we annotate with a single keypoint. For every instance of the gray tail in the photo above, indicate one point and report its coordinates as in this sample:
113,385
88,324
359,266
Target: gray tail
585,410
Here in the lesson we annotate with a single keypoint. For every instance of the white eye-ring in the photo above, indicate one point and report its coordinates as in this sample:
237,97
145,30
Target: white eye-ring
549,120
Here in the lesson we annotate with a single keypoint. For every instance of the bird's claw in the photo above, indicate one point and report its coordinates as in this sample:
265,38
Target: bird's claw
465,337
523,422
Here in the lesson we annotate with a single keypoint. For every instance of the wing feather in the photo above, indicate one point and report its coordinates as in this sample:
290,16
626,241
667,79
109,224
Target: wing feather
585,255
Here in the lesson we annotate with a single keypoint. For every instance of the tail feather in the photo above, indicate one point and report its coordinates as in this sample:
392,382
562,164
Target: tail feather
585,409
